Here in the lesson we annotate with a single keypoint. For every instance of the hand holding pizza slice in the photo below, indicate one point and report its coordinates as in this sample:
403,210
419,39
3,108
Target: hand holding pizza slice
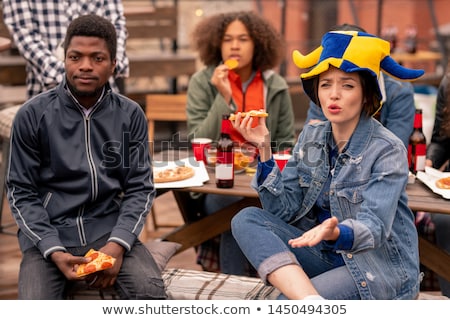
100,261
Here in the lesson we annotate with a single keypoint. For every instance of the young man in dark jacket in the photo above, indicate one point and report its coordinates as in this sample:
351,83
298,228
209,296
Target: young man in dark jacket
80,176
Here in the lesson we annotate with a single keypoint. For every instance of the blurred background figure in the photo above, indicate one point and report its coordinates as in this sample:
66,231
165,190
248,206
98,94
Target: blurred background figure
438,156
38,28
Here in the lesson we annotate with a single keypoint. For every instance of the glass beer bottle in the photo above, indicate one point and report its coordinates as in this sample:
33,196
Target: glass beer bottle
225,156
417,147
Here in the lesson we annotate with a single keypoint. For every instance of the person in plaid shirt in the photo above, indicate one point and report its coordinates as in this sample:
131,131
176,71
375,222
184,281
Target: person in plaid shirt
38,28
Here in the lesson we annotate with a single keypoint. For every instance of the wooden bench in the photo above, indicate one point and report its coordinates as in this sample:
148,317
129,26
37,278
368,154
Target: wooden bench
12,69
12,65
152,47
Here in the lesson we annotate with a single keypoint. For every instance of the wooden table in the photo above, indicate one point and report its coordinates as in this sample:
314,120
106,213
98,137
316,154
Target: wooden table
422,59
199,229
421,198
137,7
419,56
168,64
145,24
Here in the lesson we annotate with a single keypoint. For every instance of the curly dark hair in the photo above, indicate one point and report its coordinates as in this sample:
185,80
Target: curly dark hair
445,123
92,25
269,45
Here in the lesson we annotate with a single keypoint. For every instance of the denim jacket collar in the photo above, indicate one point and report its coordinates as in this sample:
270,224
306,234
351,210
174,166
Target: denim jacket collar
359,139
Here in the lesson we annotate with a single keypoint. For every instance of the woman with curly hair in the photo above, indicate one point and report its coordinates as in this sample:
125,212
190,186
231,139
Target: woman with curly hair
217,90
438,152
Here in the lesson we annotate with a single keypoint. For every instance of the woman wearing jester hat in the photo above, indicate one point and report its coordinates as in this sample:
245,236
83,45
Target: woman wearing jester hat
335,224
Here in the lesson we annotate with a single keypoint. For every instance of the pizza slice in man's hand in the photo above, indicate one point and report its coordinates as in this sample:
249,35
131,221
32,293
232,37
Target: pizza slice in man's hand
100,261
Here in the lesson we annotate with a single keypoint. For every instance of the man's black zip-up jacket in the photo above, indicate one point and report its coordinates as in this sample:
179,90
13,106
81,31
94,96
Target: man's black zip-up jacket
73,178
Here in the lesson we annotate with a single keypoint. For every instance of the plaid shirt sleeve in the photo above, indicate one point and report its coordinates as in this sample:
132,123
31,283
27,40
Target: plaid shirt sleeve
23,25
114,12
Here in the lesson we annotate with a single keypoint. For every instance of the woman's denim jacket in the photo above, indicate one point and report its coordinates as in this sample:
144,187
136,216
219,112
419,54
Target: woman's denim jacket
367,193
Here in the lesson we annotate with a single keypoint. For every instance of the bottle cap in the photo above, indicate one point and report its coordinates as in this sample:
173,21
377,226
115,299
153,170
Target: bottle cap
226,124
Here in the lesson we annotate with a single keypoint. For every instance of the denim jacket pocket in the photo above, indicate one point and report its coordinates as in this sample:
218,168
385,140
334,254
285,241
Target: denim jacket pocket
350,199
304,178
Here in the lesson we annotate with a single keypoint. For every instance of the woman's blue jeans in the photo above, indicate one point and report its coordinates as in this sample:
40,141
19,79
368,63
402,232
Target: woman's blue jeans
264,238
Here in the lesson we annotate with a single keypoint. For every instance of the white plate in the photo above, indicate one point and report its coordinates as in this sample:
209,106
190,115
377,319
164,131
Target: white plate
200,177
429,178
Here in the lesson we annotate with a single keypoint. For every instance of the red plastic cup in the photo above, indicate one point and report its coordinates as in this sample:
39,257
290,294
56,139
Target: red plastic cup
198,146
281,159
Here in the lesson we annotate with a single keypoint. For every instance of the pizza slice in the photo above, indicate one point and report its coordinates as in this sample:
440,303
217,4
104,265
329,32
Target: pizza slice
173,174
253,113
443,183
100,261
231,63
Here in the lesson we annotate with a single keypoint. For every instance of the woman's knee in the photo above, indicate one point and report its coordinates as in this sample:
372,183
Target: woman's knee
244,217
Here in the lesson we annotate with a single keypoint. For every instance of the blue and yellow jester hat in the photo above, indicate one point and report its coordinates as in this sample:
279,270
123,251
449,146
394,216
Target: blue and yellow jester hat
351,51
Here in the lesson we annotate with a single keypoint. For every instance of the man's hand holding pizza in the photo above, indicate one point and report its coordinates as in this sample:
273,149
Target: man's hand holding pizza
68,263
77,268
107,277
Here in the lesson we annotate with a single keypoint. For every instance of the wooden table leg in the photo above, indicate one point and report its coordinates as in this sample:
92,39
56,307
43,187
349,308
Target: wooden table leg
434,258
194,233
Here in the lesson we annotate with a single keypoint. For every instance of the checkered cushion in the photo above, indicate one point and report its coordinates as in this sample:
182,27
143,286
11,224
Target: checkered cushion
182,284
6,118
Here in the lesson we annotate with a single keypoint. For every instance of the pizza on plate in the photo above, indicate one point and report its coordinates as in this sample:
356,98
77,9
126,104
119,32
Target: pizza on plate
443,183
100,261
252,113
173,174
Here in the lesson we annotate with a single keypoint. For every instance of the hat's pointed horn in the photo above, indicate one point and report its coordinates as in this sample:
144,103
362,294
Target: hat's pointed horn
307,61
391,67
